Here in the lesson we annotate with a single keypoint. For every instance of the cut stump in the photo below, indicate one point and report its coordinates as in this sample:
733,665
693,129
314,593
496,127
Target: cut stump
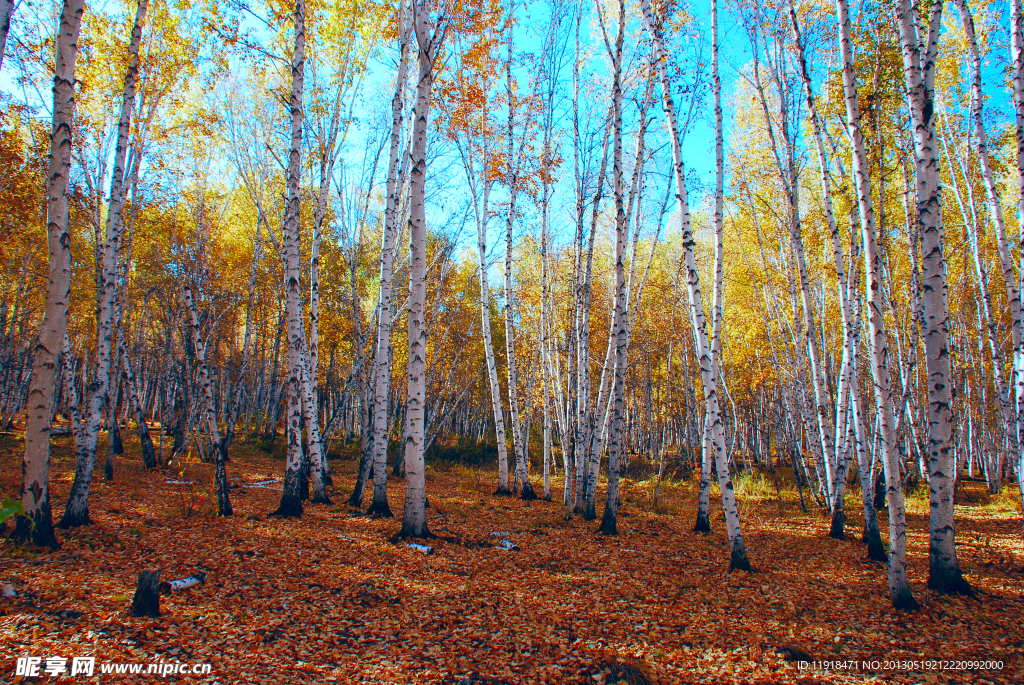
147,595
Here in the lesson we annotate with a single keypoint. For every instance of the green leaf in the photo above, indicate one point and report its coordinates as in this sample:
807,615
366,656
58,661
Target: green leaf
11,507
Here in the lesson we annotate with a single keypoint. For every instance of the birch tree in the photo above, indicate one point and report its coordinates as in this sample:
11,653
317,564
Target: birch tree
210,411
899,589
481,211
919,59
620,315
300,371
7,8
703,522
77,511
37,523
848,391
977,100
430,34
1017,79
514,163
738,553
381,373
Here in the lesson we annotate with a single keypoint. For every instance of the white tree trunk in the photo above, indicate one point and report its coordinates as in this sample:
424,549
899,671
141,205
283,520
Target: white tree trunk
788,177
35,467
620,315
485,324
77,511
380,377
1017,51
6,12
206,388
414,517
899,590
848,390
703,522
298,354
738,554
996,213
919,75
510,351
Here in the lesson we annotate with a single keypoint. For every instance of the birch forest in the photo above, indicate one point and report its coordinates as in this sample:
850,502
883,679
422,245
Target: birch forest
478,342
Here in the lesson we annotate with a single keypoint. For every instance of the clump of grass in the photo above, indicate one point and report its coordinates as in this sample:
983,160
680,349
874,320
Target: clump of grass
918,499
754,486
1006,501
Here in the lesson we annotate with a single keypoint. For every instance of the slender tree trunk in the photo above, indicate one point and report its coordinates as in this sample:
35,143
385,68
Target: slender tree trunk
847,369
77,511
1017,51
206,388
788,177
588,415
620,324
738,554
298,353
6,12
414,517
899,590
485,318
919,75
986,316
871,536
703,522
513,375
991,192
381,375
35,466
521,449
235,398
149,459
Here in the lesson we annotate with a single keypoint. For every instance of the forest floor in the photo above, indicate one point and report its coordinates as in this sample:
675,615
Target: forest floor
329,599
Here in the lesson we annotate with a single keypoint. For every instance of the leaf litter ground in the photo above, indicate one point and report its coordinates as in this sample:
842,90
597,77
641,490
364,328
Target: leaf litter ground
329,599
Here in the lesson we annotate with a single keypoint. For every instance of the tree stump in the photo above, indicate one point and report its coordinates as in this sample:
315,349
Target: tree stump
147,595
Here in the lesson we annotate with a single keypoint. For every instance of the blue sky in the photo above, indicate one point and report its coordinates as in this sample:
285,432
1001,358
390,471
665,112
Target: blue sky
699,144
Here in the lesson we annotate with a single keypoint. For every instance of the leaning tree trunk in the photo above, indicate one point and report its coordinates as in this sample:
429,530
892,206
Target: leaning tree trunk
37,524
206,388
899,589
77,511
996,213
738,554
848,390
789,179
919,74
492,369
